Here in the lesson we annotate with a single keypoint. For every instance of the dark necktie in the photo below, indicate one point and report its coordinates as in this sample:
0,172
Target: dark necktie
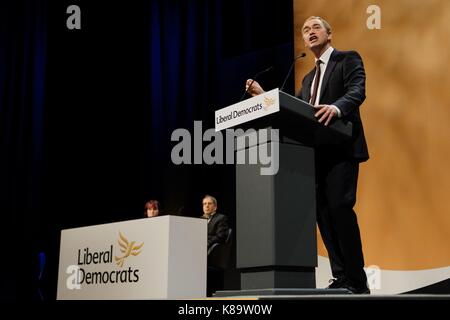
316,83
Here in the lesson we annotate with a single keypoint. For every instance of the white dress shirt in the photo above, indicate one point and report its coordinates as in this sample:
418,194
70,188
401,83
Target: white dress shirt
324,58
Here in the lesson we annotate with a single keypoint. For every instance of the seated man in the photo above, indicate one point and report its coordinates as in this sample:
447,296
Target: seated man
217,233
217,223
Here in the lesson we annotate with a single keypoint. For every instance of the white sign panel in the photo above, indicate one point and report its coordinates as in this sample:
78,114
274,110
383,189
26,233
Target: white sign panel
247,110
152,258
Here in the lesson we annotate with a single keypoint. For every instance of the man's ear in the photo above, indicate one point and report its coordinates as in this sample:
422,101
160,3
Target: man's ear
330,36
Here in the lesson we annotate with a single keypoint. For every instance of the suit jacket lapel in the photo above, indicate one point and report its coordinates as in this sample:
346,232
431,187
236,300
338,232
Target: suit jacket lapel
212,218
307,88
326,76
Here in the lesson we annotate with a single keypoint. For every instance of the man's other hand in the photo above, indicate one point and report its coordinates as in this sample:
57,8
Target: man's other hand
325,112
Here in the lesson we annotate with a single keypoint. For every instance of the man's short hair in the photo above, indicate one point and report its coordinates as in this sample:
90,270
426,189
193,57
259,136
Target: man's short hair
324,22
212,198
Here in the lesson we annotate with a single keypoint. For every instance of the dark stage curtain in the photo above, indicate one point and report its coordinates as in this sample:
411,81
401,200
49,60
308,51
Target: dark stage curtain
23,49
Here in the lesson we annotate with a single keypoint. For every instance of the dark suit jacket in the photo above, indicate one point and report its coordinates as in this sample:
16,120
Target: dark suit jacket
217,229
343,85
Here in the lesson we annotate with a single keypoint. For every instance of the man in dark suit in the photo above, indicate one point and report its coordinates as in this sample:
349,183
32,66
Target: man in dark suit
217,233
336,88
217,223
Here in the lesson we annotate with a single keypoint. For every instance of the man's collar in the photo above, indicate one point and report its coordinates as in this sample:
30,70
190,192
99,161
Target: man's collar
325,57
209,216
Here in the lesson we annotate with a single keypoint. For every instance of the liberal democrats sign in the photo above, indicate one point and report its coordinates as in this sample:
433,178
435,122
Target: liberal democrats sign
247,110
158,258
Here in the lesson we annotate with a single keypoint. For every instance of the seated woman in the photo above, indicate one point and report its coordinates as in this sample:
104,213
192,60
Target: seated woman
151,209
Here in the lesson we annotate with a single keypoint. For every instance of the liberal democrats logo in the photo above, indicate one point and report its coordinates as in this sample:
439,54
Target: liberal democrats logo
268,102
127,248
94,267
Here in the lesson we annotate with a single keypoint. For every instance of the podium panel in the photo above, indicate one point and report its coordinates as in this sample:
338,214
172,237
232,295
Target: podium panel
276,218
276,214
150,258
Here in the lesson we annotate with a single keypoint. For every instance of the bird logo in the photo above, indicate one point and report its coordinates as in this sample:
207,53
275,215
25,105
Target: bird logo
268,102
127,248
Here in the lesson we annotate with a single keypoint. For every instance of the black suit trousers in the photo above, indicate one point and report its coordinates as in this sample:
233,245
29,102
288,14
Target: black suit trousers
336,183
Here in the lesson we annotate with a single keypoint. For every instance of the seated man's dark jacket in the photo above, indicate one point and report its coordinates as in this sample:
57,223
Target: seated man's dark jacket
217,229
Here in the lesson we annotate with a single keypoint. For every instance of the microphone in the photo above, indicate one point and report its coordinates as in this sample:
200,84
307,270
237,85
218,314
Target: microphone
301,55
253,80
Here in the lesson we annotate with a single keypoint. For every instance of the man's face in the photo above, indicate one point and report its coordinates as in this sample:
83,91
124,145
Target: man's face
315,34
208,206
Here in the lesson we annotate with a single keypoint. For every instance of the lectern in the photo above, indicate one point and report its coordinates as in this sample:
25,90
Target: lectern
276,214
